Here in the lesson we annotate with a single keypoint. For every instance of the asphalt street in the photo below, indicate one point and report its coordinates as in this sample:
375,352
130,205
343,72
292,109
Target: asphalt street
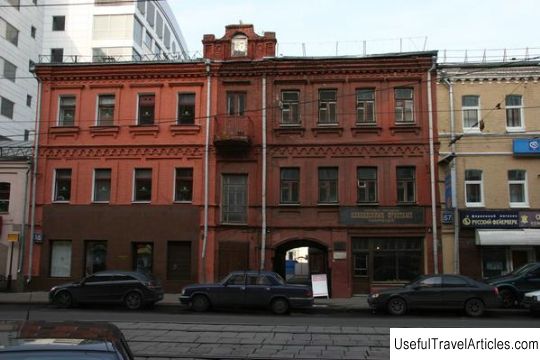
177,333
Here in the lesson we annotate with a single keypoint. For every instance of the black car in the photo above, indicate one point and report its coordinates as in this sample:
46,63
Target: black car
438,292
248,289
514,285
68,340
133,289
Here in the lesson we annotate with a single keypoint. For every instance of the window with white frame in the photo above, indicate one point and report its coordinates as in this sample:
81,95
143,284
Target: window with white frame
183,191
290,114
328,106
186,108
105,113
142,185
517,187
62,185
474,188
367,184
66,111
102,185
365,106
60,258
470,111
406,184
514,112
404,105
328,185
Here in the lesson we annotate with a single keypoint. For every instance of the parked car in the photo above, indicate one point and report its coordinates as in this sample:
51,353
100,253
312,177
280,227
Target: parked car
253,289
513,286
67,340
438,292
531,301
131,288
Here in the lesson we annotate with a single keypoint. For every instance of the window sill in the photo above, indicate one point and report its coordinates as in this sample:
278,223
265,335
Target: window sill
182,202
143,130
406,203
520,206
327,129
328,204
290,130
234,224
141,202
101,202
104,130
290,205
405,128
366,129
515,130
367,204
474,205
60,201
64,131
184,129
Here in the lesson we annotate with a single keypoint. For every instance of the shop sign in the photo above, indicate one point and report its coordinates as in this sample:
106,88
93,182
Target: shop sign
526,147
529,219
489,219
382,216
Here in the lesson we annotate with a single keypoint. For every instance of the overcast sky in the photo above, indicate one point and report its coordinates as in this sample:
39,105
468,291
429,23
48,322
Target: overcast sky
451,24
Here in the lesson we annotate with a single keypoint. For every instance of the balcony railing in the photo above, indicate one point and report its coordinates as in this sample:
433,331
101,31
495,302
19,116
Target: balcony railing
233,131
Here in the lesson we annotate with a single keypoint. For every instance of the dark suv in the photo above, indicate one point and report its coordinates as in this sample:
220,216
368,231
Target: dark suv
131,288
513,286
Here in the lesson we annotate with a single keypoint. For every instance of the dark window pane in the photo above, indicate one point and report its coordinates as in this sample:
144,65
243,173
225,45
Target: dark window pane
184,185
106,110
62,190
186,108
143,185
58,23
96,256
5,189
66,116
102,185
143,257
289,184
146,109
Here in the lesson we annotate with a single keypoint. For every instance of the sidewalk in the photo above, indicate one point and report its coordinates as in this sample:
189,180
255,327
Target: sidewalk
42,297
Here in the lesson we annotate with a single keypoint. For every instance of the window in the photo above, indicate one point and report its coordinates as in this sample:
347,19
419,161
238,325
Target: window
142,189
514,112
62,185
396,259
113,27
148,41
184,185
146,109
327,106
7,107
404,105
328,185
5,188
167,37
137,32
105,113
14,3
33,32
236,103
96,257
517,186
60,258
261,280
361,261
237,279
186,108
470,109
454,281
474,188
9,70
159,25
365,106
234,199
143,255
29,100
290,111
31,66
58,23
150,13
141,5
406,184
57,55
66,113
430,282
9,32
102,185
289,185
239,45
367,184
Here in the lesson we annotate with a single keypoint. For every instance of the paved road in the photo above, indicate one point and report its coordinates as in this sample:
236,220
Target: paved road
174,333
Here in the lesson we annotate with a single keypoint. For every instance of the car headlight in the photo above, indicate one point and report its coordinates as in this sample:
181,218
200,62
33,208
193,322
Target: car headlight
374,296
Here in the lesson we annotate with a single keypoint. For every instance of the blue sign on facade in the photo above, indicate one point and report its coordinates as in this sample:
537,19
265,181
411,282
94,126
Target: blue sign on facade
526,147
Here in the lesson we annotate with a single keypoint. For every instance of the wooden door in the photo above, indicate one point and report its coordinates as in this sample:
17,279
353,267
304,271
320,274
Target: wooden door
233,255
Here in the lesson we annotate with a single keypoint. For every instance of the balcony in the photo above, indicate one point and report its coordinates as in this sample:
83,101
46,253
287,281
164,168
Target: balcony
233,133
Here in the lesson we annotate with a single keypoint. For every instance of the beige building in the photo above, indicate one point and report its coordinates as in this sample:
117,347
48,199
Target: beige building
489,157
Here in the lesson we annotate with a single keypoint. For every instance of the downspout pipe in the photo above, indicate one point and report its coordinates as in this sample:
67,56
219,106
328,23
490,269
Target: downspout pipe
206,166
263,175
22,240
34,184
453,172
435,232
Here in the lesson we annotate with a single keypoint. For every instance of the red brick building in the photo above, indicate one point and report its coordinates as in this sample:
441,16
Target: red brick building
328,153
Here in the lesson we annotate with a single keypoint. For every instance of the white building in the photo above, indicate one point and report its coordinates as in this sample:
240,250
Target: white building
34,31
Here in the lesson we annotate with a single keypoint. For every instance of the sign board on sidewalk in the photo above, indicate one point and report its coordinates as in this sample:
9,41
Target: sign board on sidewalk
319,285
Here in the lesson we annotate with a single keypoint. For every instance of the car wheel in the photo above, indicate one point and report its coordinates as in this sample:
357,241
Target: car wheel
63,299
508,298
396,306
474,307
200,303
133,301
279,306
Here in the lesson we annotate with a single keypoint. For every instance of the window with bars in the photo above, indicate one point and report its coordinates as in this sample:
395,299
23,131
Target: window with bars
289,185
328,107
406,184
404,105
365,106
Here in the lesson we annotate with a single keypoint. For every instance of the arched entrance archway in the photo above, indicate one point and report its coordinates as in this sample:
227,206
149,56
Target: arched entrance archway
317,258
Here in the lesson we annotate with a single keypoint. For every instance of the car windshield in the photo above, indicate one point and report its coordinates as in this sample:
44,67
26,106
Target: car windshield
57,355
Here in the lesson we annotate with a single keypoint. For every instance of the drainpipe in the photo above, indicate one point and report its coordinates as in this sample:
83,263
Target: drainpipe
34,184
206,165
263,199
453,173
23,226
432,171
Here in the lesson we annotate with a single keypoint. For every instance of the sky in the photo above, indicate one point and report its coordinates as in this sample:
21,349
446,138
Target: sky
454,25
